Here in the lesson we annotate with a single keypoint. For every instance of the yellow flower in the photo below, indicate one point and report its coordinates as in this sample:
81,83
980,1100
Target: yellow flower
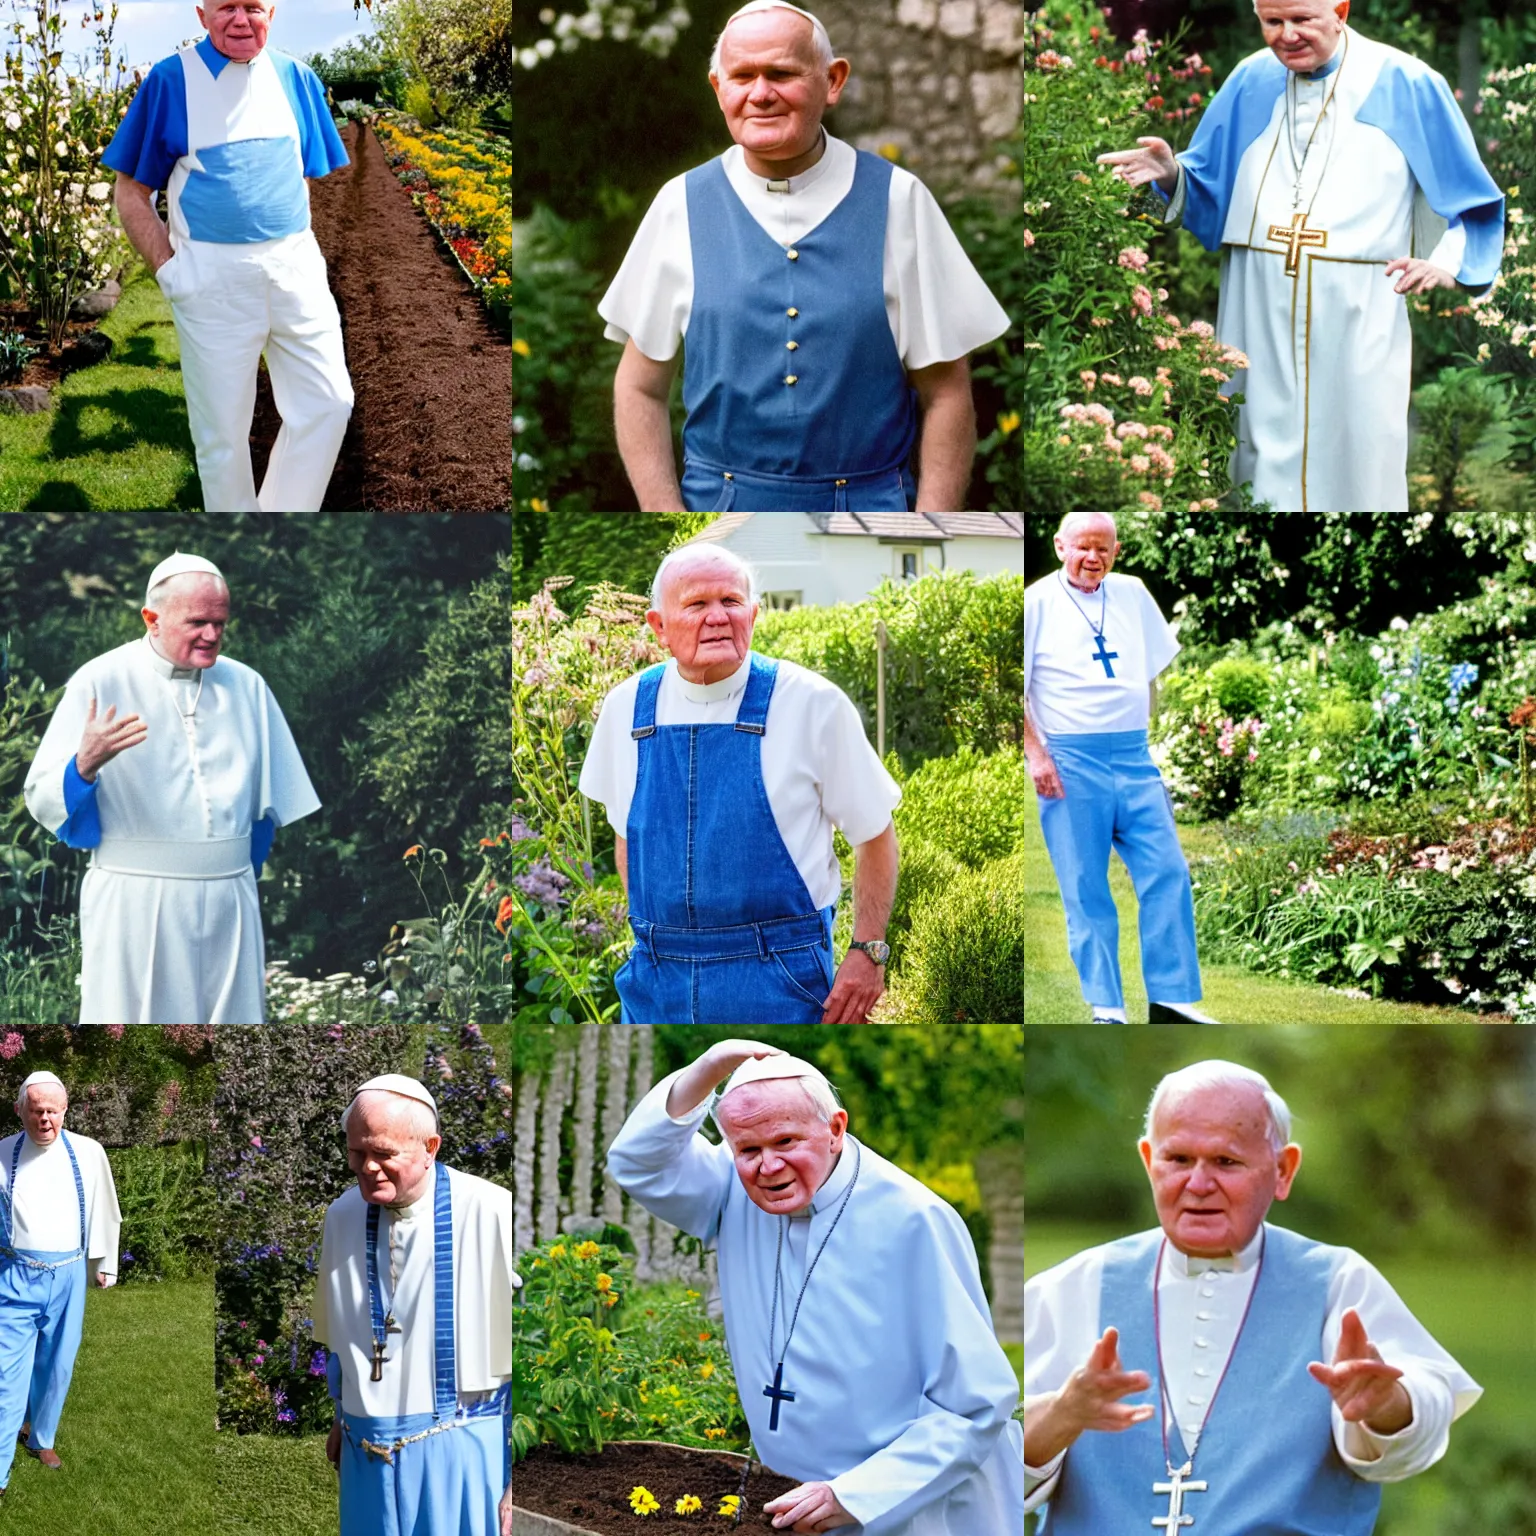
890,152
729,1504
587,1250
707,1369
558,1251
714,1434
688,1505
643,1501
522,348
1009,422
538,505
610,1300
691,1295
604,1282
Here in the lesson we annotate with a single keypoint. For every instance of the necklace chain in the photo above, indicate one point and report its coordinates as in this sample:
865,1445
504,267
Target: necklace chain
773,1326
1290,133
1103,604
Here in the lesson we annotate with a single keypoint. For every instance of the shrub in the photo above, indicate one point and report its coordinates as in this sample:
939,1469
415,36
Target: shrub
15,353
925,869
965,953
167,1206
970,806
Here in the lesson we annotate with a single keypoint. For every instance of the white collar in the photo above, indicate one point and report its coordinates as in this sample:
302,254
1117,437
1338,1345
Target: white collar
835,154
1184,1267
836,1185
167,668
423,1202
712,693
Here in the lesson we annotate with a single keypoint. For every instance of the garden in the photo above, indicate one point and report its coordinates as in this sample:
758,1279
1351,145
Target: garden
1118,386
91,408
954,675
625,1404
1349,740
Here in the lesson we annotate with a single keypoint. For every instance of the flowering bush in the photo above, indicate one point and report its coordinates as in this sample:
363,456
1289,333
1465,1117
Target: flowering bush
651,25
1506,314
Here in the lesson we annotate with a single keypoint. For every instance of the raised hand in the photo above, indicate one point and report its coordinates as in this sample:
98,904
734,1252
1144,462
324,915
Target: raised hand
1090,1399
1419,276
103,739
1367,1389
810,1507
1153,161
695,1083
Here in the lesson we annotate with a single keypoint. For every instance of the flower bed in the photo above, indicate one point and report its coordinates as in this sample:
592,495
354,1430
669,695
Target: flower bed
603,1495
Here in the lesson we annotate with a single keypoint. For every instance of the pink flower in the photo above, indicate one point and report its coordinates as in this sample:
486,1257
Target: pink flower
256,1142
1140,385
12,1045
1140,463
1089,378
1133,259
1141,299
1151,499
115,1030
1029,238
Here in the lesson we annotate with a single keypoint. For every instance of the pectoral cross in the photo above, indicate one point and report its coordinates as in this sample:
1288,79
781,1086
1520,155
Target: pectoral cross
1176,1488
1293,237
777,1393
378,1361
1106,656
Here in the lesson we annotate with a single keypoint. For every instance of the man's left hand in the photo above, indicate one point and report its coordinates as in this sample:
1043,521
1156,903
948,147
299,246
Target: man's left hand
810,1507
506,1512
104,1280
855,989
1418,276
1367,1389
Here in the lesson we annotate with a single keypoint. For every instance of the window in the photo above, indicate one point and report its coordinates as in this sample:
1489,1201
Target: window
781,602
909,564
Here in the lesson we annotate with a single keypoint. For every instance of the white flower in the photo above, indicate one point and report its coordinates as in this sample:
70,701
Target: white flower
61,149
99,190
389,998
13,120
1398,623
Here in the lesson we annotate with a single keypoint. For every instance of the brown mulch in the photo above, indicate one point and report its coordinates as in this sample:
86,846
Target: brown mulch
45,370
592,1492
431,430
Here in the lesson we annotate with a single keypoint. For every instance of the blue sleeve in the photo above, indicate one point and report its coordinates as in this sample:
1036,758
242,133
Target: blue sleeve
1416,110
1239,113
319,143
152,137
82,829
262,835
333,1375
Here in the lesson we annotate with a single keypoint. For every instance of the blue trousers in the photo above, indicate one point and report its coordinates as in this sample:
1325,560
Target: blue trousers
1116,801
42,1312
449,1484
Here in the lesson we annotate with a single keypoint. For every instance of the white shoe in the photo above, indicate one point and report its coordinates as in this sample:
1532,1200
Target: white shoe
1176,1013
1109,1016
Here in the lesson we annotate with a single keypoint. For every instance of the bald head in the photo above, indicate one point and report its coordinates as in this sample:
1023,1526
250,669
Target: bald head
377,1111
185,616
762,21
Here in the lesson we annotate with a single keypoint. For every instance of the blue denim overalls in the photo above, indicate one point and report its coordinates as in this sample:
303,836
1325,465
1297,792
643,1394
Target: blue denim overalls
725,930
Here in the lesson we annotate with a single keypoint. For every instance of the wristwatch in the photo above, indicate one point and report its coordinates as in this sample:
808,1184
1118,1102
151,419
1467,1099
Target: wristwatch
877,949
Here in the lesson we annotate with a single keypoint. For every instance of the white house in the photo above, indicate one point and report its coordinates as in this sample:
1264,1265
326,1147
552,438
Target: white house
804,558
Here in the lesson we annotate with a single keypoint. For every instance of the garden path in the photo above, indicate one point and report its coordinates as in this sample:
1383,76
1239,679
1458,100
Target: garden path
1232,994
432,375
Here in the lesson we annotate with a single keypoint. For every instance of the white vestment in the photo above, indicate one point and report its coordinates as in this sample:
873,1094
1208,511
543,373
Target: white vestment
169,916
1203,1302
819,770
482,1296
938,307
903,1396
45,1211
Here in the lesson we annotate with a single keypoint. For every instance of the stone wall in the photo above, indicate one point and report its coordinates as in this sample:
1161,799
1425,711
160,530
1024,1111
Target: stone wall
941,80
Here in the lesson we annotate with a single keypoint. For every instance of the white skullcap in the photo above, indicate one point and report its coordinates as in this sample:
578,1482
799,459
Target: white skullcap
754,6
393,1082
180,565
768,1068
34,1078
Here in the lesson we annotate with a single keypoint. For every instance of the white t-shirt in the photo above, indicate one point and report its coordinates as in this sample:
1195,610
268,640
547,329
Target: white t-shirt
1070,689
819,770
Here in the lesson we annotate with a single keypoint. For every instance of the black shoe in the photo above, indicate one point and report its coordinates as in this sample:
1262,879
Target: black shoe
1162,1013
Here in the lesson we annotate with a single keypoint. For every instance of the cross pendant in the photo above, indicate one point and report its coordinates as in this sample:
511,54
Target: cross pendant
777,1393
1176,1488
390,1325
378,1361
1106,656
1293,237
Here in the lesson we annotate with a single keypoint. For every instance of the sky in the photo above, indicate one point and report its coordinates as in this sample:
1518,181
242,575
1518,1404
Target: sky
149,30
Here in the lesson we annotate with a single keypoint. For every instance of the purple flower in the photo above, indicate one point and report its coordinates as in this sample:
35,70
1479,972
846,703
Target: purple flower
286,1416
543,883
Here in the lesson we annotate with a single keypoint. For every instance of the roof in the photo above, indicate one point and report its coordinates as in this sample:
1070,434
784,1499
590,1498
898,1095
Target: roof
930,527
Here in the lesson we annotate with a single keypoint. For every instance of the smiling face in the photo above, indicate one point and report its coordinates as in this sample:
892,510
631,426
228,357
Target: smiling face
386,1149
771,88
784,1151
1214,1173
1088,551
705,619
188,629
42,1112
237,28
1302,34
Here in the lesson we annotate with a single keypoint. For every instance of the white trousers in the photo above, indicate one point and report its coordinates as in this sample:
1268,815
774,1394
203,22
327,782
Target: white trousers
232,303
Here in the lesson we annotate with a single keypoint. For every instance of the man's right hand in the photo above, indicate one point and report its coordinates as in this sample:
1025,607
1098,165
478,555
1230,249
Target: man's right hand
1152,161
1089,1400
333,1446
694,1084
1042,769
103,739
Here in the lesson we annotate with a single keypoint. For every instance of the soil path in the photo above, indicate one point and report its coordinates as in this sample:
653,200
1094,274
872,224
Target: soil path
431,430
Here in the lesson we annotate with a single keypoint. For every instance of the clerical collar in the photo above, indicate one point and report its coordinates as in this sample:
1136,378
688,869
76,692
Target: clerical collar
712,693
168,668
831,1192
1334,60
408,1211
789,185
1185,1267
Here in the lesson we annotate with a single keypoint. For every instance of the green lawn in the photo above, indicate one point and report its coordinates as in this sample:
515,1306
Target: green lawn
1481,1307
1232,994
136,1438
273,1485
117,438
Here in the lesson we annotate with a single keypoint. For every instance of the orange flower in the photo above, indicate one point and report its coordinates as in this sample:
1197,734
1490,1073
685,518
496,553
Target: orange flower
487,842
504,915
413,850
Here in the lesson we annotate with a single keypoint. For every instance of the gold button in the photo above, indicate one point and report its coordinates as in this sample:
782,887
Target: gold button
729,475
792,345
792,313
842,482
790,378
793,255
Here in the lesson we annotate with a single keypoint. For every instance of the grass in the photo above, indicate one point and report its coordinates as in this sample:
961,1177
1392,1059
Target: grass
1015,1353
136,1438
271,1485
1479,1307
1233,995
117,438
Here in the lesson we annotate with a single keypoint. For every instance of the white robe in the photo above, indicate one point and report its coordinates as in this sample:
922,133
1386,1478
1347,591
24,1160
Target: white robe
482,1296
169,916
904,1396
1203,1304
45,1212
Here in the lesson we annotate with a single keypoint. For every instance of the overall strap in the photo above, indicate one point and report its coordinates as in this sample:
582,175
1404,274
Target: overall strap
644,723
753,714
445,1391
74,1164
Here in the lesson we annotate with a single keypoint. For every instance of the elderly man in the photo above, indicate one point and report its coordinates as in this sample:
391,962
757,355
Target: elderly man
175,767
828,308
854,1310
723,775
59,1215
1336,175
414,1303
1288,1380
1094,645
231,129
